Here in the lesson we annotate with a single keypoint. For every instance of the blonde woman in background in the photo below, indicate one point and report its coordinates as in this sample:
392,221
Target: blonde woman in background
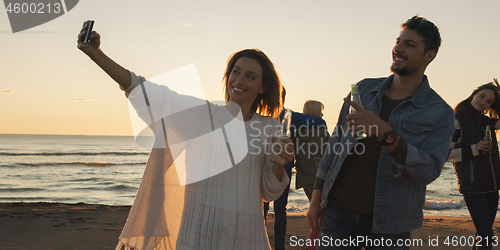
312,107
310,145
298,120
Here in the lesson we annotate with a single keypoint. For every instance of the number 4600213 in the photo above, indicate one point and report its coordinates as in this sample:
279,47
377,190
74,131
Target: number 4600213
470,241
33,8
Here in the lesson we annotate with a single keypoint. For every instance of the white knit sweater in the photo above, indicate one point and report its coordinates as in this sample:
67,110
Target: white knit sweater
225,210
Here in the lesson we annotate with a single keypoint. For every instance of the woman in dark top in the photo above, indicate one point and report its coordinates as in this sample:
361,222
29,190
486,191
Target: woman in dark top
476,160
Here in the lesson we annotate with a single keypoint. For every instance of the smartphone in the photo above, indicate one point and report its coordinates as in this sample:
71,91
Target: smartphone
89,31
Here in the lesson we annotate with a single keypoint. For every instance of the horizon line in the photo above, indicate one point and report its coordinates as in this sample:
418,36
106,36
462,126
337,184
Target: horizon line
64,134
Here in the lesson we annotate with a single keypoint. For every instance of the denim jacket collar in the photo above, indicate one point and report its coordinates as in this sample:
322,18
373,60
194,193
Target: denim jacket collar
417,99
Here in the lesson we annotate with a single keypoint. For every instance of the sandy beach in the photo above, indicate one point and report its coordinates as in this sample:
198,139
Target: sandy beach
59,226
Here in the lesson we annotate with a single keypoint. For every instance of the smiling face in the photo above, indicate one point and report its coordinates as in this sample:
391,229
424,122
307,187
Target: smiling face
483,100
245,82
409,54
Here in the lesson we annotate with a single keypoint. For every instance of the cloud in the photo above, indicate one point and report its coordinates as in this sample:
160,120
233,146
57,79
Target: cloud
187,24
79,99
7,91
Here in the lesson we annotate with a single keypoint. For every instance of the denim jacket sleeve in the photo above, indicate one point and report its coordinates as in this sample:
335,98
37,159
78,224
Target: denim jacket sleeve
335,139
426,122
424,163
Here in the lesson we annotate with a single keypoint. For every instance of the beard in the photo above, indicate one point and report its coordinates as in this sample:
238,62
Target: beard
399,71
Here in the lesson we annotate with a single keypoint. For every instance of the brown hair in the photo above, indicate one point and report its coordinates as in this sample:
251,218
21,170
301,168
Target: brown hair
268,103
494,109
427,29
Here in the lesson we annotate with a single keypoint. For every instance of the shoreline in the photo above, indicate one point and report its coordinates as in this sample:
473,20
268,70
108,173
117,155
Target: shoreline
59,226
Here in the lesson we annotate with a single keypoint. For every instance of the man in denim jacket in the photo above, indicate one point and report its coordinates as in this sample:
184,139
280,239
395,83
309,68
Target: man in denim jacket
371,191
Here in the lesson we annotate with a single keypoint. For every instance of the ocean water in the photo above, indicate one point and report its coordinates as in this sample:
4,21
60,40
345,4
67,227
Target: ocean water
72,169
108,170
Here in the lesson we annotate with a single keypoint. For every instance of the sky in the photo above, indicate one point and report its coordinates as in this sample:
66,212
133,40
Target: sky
319,49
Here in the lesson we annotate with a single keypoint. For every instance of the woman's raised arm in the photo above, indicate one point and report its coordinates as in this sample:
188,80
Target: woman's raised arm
92,49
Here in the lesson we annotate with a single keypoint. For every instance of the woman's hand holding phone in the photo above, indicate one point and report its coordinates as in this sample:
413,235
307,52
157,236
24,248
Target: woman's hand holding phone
88,41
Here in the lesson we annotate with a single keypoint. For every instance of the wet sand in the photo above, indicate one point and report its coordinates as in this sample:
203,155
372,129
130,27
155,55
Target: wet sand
60,226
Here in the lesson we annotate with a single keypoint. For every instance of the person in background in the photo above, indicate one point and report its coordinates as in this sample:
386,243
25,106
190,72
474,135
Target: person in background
476,160
298,120
374,187
310,144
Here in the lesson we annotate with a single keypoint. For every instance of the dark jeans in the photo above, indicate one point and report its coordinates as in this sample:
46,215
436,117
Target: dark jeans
280,216
483,209
341,229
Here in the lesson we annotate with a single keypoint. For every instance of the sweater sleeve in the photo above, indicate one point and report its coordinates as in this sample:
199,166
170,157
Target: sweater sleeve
459,152
154,102
272,188
134,82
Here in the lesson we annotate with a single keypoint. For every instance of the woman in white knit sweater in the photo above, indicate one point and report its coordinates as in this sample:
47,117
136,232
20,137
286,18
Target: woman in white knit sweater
222,211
